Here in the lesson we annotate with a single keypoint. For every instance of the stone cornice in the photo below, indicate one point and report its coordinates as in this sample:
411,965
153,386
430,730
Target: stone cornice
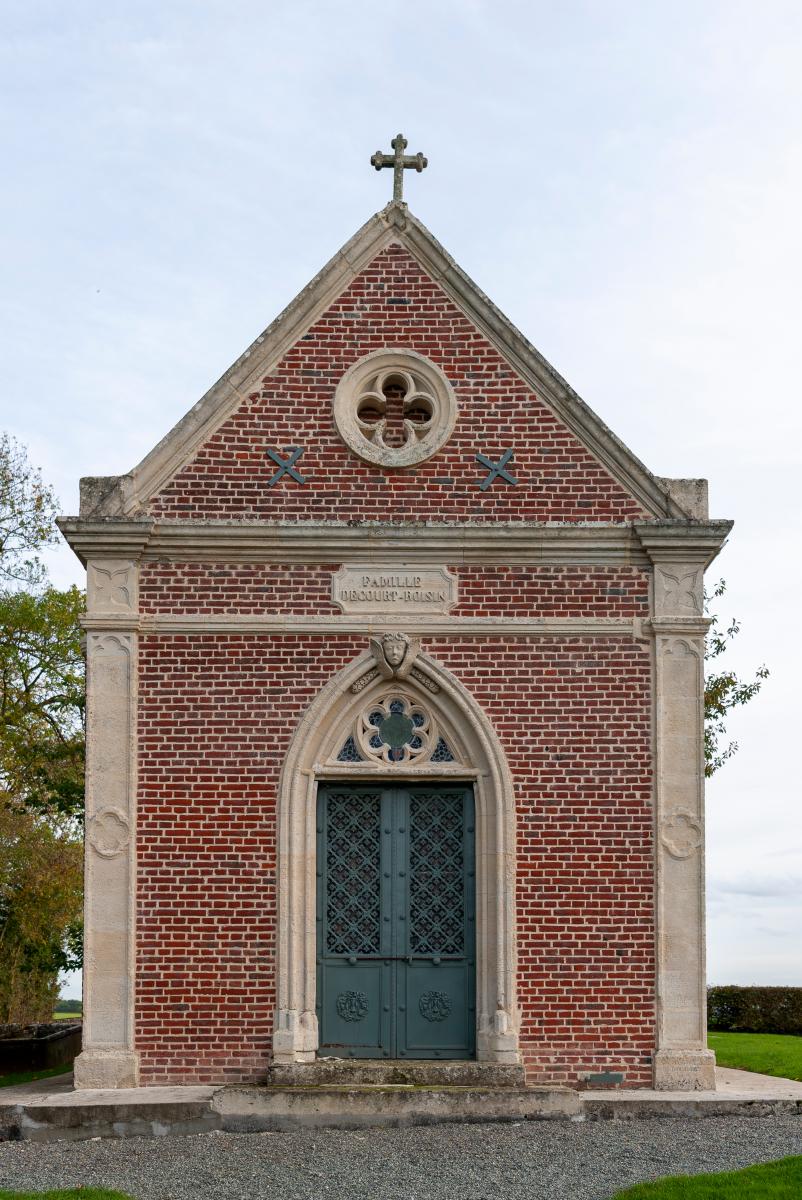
671,626
421,625
683,542
340,542
106,539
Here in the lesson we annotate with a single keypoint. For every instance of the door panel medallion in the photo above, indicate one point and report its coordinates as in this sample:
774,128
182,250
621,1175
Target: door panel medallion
434,1006
352,1006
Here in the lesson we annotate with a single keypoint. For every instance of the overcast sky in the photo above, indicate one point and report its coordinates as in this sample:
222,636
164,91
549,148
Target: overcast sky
623,179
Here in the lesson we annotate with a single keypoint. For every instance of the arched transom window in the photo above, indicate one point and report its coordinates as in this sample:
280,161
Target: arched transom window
394,727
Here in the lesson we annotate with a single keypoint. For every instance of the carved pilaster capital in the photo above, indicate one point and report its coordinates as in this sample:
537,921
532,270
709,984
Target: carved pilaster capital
686,627
112,587
680,552
678,589
110,641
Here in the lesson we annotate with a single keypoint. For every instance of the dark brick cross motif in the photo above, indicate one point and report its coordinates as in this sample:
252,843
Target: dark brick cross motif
497,470
286,466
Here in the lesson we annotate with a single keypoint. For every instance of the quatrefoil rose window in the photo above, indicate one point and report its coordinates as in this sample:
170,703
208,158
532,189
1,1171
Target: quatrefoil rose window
395,408
395,728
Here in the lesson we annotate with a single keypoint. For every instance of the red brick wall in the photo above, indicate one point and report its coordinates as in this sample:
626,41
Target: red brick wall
519,591
575,591
392,302
574,717
215,718
245,588
216,712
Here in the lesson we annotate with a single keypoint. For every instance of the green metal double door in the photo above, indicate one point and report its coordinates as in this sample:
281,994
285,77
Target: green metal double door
396,921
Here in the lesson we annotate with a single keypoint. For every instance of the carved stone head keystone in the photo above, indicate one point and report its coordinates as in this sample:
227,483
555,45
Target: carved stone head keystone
394,653
395,647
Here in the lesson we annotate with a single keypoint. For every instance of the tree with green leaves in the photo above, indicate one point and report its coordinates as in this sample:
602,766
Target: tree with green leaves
41,751
27,517
724,691
41,884
42,697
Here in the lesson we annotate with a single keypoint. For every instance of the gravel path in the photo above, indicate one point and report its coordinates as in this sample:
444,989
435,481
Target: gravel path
542,1160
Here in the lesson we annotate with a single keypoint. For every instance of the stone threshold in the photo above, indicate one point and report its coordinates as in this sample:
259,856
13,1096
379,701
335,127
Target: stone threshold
378,1072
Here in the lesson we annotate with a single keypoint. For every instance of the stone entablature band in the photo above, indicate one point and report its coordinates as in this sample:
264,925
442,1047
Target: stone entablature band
326,542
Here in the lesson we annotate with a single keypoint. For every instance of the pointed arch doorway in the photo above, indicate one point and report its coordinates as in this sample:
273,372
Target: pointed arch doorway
403,740
396,919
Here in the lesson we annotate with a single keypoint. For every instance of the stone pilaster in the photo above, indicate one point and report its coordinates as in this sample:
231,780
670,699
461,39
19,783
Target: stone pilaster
108,1058
682,1060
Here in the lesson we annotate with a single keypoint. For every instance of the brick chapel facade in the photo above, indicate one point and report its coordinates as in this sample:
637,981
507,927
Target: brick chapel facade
395,669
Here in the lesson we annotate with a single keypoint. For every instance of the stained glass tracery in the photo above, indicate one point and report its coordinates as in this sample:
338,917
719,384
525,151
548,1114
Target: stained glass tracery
396,728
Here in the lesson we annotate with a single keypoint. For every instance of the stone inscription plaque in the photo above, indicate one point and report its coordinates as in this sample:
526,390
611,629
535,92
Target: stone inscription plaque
398,590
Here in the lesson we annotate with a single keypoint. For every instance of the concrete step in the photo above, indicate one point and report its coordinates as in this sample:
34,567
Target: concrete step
49,1110
353,1106
60,1113
420,1073
644,1105
134,1112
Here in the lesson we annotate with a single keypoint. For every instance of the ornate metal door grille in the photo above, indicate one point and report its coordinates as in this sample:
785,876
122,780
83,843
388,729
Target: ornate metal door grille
436,873
353,873
396,969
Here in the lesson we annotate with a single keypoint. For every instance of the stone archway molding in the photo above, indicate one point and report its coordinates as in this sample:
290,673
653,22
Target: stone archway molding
295,1036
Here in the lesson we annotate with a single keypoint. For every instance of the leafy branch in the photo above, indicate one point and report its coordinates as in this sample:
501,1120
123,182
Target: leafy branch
724,691
27,514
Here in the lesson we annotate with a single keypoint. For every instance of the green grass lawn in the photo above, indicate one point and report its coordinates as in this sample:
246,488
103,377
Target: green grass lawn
71,1194
62,1016
780,1180
29,1076
767,1053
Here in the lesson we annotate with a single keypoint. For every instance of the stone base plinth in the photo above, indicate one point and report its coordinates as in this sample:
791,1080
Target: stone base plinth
106,1069
685,1071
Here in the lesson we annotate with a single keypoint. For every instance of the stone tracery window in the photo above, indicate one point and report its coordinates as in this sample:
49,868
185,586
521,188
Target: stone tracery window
395,728
395,408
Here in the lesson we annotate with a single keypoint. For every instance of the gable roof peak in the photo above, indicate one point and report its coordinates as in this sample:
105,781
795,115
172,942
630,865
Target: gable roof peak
394,224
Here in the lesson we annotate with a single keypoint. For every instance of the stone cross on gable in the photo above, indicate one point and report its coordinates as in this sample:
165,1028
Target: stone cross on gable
399,162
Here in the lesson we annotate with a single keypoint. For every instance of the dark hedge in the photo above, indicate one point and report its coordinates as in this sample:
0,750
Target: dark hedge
755,1009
